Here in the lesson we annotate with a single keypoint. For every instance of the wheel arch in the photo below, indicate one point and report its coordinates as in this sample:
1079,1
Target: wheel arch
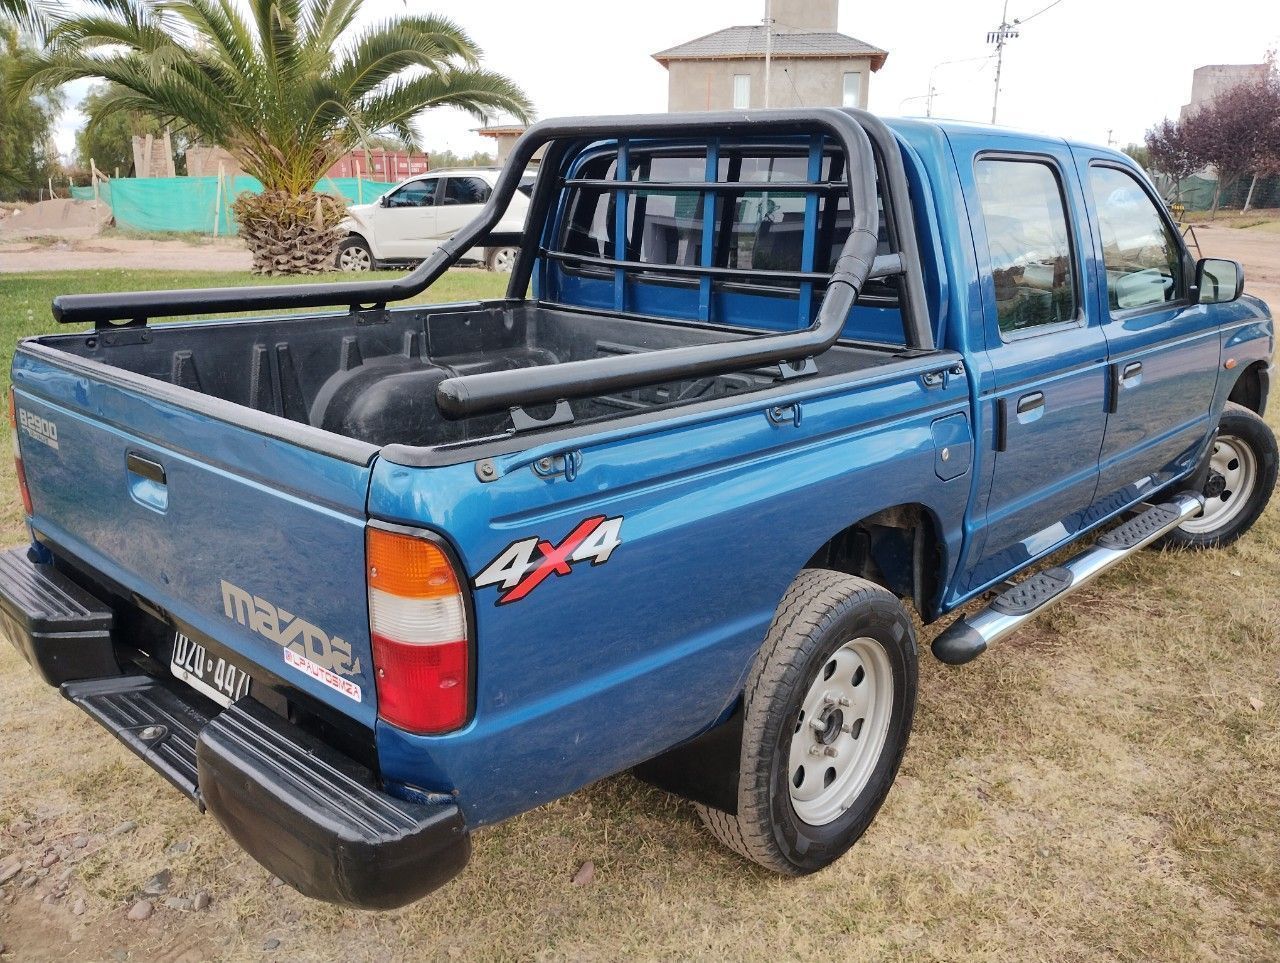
1251,388
900,548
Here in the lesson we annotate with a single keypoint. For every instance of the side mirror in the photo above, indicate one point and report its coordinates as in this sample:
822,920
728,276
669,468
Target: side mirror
384,200
1219,280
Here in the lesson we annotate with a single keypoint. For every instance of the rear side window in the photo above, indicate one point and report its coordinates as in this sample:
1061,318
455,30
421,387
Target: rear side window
1029,242
1143,261
466,190
758,228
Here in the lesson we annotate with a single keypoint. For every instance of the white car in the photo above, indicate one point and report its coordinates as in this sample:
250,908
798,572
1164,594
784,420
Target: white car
415,217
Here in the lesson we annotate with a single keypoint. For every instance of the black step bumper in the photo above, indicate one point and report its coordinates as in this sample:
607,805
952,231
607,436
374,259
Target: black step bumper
305,811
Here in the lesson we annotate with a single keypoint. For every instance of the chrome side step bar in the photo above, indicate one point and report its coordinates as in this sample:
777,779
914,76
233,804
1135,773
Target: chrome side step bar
968,637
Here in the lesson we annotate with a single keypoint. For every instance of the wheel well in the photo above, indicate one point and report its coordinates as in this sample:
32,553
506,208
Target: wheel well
1247,391
899,548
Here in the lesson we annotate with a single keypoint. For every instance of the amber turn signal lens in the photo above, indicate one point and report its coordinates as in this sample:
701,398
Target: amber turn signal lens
408,567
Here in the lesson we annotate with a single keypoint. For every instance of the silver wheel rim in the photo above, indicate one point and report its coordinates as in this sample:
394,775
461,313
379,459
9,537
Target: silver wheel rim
504,259
841,731
354,259
1236,463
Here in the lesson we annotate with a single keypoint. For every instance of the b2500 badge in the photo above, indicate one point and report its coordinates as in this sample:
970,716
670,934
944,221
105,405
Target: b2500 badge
524,565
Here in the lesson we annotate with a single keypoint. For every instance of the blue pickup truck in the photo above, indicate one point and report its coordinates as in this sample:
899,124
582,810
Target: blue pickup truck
360,582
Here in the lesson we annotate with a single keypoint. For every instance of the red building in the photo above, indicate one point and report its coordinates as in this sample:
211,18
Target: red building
381,165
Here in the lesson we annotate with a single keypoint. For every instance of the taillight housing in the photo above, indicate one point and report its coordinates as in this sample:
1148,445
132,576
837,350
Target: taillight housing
419,625
17,454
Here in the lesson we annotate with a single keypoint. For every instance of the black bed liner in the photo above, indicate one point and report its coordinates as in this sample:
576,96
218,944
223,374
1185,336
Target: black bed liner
376,382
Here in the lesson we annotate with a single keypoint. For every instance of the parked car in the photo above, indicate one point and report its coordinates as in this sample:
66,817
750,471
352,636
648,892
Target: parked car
410,221
361,583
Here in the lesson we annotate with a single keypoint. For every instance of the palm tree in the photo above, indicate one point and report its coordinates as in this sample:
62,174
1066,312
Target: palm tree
287,90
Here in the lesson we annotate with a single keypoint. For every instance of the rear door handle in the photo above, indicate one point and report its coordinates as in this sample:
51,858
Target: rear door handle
1030,407
1128,376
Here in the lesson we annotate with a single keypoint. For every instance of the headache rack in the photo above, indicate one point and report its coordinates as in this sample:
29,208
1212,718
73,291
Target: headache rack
869,151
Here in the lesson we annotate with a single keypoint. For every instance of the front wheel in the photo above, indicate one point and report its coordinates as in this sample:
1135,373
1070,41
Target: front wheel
827,713
354,256
1242,475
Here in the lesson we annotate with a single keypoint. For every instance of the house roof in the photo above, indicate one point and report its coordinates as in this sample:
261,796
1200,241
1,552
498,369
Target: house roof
738,42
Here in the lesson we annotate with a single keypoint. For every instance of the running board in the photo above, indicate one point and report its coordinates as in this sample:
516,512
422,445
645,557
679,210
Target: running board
968,637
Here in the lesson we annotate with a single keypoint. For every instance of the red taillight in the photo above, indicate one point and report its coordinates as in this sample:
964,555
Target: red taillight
17,454
418,623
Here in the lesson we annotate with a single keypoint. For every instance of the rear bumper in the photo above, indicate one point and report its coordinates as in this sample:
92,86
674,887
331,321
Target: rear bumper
309,814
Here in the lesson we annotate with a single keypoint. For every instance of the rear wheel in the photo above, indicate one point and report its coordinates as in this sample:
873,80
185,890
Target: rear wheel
354,256
1242,476
827,712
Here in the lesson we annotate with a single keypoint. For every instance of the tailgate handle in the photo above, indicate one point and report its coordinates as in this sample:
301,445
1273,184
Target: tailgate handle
146,468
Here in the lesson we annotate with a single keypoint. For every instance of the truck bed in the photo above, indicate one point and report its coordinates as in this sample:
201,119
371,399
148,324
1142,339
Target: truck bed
375,382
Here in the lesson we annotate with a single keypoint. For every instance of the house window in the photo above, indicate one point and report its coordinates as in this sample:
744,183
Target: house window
852,90
741,91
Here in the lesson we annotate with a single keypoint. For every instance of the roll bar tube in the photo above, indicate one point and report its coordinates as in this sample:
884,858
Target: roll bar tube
499,390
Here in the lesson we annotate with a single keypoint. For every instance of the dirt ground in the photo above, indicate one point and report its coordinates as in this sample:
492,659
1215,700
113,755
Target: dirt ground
79,254
1103,786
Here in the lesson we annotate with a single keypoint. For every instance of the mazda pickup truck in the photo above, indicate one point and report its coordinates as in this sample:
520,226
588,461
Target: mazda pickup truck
364,580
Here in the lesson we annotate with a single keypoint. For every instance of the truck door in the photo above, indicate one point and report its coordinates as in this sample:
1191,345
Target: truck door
1046,405
1164,349
404,226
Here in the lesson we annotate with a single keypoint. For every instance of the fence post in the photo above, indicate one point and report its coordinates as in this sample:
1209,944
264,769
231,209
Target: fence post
93,173
217,202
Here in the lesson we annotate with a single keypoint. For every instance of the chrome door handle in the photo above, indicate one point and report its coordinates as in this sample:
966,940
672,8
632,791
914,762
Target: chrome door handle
1029,404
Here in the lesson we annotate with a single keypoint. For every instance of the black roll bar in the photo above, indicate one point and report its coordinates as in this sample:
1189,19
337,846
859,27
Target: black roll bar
500,390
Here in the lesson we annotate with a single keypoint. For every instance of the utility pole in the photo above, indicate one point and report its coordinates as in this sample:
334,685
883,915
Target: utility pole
768,47
1000,36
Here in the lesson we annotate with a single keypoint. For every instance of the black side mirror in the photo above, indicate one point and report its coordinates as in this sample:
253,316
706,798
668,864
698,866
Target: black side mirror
1218,280
384,200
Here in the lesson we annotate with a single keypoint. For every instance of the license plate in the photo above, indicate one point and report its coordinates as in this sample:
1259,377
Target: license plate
211,675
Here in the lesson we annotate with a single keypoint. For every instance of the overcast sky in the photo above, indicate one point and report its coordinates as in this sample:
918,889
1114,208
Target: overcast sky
1081,69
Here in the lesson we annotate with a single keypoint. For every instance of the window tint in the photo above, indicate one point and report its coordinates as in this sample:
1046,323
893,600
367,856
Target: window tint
413,194
1142,259
1030,246
466,190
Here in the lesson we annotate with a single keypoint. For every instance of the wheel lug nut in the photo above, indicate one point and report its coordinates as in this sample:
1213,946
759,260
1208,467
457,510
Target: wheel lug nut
815,750
844,702
831,751
817,724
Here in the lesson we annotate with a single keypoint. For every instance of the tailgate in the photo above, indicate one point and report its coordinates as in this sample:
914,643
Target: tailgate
253,538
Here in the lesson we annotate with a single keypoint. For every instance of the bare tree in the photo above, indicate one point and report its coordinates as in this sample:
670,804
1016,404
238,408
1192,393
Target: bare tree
1169,152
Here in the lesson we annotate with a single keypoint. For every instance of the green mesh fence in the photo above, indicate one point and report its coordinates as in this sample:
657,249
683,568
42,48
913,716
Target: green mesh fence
195,203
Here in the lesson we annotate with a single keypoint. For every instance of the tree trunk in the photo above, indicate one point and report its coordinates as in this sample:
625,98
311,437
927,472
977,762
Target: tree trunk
290,233
1248,198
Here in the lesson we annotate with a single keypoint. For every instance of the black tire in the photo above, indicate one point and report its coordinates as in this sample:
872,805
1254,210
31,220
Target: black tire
500,259
355,256
1245,438
821,612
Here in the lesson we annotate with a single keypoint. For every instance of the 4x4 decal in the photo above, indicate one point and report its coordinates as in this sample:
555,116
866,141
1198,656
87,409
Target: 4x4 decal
525,564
